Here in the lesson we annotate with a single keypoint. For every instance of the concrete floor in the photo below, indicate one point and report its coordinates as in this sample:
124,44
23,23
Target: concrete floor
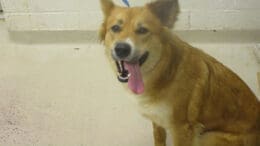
56,88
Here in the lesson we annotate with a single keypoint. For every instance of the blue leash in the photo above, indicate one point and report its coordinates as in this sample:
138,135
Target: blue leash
126,3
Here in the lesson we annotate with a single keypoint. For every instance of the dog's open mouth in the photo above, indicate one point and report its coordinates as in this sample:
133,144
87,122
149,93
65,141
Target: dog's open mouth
129,72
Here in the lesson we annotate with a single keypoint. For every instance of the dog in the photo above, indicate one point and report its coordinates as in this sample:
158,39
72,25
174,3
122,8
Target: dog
178,87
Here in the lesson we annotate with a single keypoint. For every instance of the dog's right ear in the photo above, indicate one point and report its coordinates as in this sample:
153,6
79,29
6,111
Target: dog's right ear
107,6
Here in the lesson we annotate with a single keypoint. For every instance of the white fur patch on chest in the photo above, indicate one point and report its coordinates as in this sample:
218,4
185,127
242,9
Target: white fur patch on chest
159,112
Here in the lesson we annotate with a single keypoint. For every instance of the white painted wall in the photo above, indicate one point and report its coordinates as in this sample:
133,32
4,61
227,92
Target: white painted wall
86,15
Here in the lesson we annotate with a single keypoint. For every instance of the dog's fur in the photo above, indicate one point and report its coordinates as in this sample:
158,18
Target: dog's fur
187,92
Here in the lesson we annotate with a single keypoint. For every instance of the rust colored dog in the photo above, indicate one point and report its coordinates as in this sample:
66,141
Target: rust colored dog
178,87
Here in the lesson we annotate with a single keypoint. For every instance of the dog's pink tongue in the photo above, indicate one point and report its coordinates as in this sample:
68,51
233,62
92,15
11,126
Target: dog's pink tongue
135,82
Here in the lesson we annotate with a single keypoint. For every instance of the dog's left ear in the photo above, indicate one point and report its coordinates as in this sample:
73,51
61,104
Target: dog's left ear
165,10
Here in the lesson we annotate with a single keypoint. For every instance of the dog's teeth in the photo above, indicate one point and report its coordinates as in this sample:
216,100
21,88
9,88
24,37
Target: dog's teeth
123,78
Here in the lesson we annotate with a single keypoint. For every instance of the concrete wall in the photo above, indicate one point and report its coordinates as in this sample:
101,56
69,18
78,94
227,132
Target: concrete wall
86,15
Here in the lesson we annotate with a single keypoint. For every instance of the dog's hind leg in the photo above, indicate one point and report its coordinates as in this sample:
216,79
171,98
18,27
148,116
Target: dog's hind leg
159,134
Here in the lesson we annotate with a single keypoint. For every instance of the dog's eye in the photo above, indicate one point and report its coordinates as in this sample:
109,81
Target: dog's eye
116,28
142,30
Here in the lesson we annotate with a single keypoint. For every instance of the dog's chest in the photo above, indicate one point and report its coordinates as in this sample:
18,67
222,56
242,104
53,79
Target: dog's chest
160,113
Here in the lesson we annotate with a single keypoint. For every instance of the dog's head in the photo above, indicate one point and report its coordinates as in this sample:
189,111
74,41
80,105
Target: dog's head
132,37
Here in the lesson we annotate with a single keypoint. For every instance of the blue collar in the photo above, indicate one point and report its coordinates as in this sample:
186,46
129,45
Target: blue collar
126,3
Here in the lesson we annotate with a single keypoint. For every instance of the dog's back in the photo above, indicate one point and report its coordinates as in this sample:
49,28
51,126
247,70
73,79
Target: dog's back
237,106
227,102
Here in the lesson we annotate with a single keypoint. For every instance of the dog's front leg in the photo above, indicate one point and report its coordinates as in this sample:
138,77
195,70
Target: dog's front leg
182,135
159,135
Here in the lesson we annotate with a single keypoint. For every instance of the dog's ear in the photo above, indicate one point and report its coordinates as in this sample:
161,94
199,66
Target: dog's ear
102,32
107,6
165,10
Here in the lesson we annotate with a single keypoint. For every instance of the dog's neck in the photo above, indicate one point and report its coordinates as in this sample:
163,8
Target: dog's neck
165,71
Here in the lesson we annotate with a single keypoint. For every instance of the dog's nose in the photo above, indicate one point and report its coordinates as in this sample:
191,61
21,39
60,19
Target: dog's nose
122,50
